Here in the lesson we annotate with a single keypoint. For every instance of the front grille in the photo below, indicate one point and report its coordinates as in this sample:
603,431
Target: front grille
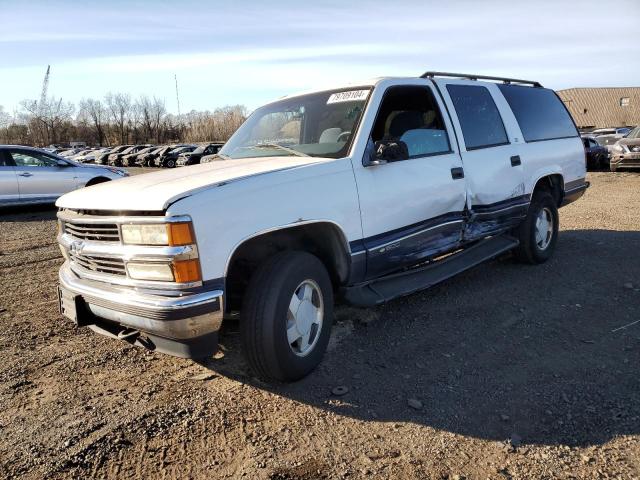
111,266
102,232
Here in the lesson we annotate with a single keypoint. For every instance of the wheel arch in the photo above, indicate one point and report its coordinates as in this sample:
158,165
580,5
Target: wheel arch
553,182
97,180
323,238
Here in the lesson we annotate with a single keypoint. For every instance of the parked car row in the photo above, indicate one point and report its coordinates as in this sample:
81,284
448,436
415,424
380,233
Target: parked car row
612,148
143,155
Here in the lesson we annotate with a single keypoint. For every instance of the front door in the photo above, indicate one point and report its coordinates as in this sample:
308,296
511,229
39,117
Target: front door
492,153
39,176
412,209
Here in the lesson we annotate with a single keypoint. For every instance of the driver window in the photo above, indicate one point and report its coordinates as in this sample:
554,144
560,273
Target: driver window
410,114
24,159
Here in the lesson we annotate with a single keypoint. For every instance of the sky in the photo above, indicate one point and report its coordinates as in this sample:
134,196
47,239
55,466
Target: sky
251,52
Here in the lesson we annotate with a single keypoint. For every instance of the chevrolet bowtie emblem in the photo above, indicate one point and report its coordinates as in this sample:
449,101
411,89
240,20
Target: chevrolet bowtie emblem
76,246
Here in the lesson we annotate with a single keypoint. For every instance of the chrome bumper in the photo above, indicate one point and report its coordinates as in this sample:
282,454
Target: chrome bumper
172,315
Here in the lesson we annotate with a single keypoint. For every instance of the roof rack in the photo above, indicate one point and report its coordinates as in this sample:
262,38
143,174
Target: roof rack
480,77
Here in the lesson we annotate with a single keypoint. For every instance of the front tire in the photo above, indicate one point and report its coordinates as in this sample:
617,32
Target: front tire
538,233
286,317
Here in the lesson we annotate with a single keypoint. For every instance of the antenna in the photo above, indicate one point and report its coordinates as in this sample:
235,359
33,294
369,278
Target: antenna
177,94
43,94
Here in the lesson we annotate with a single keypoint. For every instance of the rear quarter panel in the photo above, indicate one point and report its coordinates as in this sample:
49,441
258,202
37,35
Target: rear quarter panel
563,156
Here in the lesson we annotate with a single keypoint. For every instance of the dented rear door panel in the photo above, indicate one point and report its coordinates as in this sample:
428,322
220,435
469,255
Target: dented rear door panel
496,194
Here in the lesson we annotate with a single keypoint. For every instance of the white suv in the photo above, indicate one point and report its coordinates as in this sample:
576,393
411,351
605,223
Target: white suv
365,192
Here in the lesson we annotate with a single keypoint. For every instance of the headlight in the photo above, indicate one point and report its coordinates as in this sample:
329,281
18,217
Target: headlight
153,234
173,234
617,148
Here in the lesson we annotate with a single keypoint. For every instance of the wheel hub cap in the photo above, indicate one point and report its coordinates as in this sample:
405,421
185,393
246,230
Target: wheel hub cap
304,317
544,228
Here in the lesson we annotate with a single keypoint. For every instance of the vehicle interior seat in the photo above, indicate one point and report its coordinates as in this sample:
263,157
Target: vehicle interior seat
330,135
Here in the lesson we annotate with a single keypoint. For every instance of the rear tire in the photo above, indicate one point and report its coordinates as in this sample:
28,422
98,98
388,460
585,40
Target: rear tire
286,316
538,233
171,163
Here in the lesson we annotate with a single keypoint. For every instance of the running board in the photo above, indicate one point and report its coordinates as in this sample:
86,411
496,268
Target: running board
386,288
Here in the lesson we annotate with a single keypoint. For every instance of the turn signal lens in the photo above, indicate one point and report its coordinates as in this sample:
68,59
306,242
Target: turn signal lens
186,271
180,234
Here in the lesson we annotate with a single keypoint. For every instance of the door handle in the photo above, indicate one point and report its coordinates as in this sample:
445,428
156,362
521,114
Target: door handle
26,174
457,173
515,161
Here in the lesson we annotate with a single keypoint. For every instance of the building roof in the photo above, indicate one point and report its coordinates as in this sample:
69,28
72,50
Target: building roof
603,107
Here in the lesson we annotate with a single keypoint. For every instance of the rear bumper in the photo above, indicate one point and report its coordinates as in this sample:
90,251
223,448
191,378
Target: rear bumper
178,323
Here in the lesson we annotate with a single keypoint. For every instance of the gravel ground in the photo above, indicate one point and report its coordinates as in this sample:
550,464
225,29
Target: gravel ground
506,371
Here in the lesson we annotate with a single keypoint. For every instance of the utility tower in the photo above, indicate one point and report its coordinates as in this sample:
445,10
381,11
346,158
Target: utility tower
177,95
43,94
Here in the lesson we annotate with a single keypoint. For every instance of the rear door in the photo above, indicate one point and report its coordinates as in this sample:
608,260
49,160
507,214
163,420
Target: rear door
411,209
39,176
489,139
9,191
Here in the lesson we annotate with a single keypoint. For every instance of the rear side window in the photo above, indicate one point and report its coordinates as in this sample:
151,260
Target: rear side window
479,117
540,113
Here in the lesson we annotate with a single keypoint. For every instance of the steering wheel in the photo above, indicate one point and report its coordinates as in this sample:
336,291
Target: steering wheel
343,134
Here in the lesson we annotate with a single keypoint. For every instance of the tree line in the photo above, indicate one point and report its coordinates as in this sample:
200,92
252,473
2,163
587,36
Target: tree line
114,120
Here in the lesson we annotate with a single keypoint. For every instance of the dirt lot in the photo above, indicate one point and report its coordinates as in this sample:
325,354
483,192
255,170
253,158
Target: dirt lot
506,371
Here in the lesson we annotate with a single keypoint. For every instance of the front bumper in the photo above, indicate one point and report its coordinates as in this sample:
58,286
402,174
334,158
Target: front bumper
183,324
626,160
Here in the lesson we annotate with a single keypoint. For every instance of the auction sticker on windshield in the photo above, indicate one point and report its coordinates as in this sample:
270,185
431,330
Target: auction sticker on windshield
350,96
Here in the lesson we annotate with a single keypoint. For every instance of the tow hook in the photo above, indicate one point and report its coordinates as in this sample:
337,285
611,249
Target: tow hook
129,335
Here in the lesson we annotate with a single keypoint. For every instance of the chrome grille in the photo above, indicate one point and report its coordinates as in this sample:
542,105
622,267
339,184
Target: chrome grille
102,232
111,266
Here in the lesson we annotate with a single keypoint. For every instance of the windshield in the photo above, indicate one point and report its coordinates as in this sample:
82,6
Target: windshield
315,125
635,133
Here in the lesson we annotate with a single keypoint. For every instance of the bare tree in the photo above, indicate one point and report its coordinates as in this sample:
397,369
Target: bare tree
116,119
219,125
151,112
47,119
5,118
119,106
94,112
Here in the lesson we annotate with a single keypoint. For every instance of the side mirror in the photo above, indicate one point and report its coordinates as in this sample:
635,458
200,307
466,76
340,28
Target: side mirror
384,151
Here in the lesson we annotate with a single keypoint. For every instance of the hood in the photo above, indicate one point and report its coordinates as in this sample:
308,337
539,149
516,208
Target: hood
629,142
156,191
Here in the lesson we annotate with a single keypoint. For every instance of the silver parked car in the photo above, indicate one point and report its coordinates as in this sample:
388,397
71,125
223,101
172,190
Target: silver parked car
30,175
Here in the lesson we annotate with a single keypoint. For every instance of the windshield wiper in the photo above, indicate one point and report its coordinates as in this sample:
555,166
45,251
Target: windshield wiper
280,147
